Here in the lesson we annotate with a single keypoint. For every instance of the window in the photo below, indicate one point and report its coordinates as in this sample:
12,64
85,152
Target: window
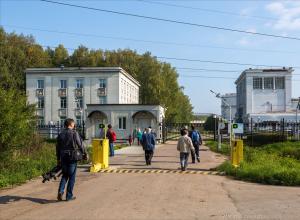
63,84
79,102
279,83
40,121
268,83
63,102
102,100
102,83
78,121
257,83
79,83
41,102
122,123
62,121
40,84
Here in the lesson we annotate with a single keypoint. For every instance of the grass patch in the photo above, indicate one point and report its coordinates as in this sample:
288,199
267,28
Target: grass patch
17,169
275,164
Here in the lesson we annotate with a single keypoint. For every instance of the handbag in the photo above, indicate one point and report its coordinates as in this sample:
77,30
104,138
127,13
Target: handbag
77,154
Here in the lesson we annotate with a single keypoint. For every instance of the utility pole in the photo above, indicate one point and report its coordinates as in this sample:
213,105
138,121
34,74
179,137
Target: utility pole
230,118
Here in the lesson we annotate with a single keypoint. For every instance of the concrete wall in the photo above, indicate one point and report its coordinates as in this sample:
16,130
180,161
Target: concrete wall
113,112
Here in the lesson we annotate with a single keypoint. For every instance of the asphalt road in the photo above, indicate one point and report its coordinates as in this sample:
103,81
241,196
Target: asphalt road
153,195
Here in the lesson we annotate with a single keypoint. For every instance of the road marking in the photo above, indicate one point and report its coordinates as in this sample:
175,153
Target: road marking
162,171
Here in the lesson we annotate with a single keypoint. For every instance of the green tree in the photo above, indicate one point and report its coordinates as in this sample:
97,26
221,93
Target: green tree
17,120
60,56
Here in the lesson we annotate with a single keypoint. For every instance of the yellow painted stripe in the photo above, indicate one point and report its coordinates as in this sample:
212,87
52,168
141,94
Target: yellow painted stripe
163,171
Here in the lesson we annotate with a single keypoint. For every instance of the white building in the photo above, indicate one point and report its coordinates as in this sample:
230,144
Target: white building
265,95
230,99
78,93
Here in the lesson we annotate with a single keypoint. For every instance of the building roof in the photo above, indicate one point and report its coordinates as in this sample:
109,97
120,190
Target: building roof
288,70
80,70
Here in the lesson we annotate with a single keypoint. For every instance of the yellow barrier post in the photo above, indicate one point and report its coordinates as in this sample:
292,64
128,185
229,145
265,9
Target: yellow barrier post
100,154
237,154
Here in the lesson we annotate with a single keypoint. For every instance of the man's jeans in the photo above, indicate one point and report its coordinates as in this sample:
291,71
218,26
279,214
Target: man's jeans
111,149
148,156
197,151
184,160
69,174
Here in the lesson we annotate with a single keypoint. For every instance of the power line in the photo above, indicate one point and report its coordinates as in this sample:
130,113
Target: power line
214,77
149,41
207,10
174,21
221,62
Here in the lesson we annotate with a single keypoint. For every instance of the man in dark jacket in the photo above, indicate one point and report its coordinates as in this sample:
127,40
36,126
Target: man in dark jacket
67,141
148,142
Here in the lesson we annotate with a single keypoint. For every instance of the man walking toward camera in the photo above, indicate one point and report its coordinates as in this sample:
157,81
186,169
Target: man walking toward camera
148,142
69,150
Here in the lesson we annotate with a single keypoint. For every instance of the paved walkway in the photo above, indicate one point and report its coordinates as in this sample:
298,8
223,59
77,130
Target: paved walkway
153,195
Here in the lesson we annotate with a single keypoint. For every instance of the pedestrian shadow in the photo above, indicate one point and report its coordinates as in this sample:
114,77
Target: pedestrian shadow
8,199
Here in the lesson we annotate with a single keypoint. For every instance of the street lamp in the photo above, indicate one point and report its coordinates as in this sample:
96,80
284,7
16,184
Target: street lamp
218,95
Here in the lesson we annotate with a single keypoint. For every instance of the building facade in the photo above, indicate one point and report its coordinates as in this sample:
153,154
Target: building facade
230,99
61,93
265,95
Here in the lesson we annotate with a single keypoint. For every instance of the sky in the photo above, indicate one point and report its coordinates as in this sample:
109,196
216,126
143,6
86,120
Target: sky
96,29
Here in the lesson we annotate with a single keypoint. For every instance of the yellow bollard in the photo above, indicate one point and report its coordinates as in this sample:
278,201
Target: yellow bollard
237,154
100,155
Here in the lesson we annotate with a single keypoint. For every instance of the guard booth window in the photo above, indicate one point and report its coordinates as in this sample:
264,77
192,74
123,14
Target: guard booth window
122,123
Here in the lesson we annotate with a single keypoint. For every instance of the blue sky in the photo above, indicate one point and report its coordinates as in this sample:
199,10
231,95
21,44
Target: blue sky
272,17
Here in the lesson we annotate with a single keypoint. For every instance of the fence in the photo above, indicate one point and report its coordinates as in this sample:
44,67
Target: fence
270,132
51,131
255,133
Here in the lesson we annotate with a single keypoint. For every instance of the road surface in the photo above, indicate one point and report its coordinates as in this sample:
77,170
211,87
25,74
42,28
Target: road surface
153,195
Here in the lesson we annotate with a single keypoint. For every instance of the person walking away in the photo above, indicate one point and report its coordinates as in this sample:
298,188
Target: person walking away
148,142
197,141
139,136
184,146
112,137
69,149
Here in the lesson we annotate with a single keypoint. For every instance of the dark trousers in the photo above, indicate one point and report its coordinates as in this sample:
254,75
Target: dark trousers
197,151
111,149
148,156
69,174
184,157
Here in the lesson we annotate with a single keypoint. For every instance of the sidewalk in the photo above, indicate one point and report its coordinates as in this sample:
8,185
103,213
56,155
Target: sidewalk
165,157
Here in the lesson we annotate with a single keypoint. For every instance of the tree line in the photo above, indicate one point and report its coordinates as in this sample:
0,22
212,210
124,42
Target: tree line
159,80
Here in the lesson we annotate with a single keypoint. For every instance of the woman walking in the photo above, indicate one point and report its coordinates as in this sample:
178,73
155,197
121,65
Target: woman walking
139,136
184,146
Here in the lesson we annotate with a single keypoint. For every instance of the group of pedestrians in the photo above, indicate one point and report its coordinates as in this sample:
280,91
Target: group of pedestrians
189,143
70,145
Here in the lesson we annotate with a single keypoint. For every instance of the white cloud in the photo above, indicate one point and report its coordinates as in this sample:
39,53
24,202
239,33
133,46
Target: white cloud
288,14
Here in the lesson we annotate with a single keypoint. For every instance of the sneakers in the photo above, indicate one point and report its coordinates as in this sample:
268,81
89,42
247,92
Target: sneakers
59,196
73,198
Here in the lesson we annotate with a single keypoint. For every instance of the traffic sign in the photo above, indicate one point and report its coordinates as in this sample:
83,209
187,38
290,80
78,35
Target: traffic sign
238,128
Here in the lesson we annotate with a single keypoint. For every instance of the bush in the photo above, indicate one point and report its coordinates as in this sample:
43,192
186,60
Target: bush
264,138
17,170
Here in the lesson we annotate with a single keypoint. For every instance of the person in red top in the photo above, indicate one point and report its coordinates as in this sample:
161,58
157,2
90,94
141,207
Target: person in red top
111,135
